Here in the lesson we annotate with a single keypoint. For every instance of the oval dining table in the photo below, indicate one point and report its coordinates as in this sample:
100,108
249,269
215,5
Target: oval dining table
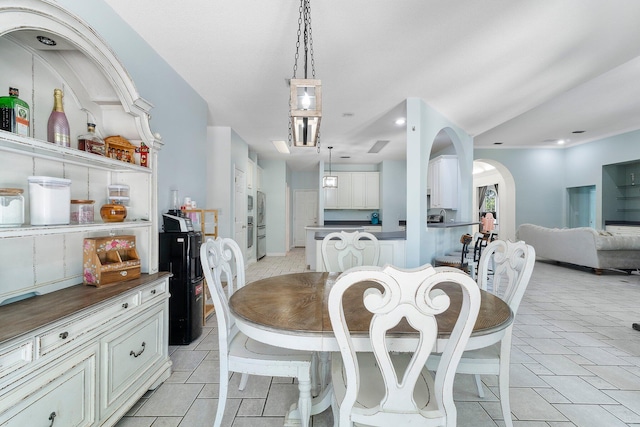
291,311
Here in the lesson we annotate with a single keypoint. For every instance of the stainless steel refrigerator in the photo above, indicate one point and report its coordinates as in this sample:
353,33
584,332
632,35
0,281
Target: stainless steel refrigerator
261,225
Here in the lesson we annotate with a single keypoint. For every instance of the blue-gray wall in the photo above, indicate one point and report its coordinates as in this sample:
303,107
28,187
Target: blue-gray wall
182,161
542,175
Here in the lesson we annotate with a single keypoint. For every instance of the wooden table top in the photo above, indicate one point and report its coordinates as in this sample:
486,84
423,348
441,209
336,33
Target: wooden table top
297,303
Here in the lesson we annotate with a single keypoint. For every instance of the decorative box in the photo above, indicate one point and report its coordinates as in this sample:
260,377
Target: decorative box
119,148
108,260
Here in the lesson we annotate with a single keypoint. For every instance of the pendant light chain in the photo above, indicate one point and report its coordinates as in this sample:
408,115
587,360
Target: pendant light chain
304,34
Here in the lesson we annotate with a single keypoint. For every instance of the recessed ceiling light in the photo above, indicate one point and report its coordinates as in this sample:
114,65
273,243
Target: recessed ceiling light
281,146
578,131
401,121
379,145
46,40
561,142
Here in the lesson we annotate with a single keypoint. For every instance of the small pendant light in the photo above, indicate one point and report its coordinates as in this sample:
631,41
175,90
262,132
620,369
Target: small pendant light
330,181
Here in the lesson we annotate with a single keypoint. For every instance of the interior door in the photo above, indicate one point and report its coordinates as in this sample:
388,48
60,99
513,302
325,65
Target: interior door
240,211
305,213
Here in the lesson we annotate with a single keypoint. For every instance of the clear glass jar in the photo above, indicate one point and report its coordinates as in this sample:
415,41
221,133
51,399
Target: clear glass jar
82,211
11,207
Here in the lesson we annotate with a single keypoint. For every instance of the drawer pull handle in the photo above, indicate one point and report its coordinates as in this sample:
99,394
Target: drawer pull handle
52,418
64,335
123,273
134,354
153,291
125,305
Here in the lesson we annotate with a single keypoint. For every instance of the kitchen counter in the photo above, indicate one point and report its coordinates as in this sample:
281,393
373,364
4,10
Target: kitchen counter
385,235
450,224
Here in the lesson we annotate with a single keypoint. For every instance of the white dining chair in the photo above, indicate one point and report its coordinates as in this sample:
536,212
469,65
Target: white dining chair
239,353
342,250
505,269
390,385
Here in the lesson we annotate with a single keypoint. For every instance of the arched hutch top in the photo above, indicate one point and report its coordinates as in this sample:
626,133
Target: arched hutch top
97,89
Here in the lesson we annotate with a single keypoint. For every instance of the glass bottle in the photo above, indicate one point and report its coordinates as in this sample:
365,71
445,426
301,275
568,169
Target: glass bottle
58,126
14,113
91,142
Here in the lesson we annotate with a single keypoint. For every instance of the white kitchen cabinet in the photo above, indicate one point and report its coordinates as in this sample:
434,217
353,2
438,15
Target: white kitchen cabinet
365,190
259,173
339,198
356,190
55,362
251,167
442,177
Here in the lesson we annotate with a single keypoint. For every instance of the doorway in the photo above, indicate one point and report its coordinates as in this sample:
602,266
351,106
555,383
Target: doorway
305,213
582,206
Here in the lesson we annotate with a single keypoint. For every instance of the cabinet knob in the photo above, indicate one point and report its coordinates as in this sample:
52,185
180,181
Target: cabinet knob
125,305
64,335
153,291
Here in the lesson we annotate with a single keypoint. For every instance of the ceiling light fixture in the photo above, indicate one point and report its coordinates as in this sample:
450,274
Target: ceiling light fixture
305,104
281,146
379,145
330,181
401,121
46,40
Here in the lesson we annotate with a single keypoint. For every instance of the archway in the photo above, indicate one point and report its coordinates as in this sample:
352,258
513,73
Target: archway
487,172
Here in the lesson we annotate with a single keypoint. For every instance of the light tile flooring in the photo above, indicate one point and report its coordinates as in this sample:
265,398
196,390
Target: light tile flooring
575,362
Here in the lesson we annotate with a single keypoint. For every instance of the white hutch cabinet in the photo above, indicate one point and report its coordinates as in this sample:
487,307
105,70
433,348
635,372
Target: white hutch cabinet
70,354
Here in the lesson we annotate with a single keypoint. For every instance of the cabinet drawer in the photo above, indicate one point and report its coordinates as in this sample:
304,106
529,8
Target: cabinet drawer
69,333
128,357
66,400
150,293
16,357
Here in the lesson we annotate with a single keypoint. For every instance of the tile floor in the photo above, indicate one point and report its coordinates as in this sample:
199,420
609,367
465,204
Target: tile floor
575,362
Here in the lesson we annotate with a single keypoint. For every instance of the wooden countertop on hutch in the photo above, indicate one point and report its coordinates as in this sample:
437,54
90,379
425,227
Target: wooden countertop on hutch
22,317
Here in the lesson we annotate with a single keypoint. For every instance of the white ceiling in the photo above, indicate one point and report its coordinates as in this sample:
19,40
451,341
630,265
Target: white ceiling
522,72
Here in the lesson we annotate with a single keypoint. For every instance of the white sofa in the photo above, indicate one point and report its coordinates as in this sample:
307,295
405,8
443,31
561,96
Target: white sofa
583,246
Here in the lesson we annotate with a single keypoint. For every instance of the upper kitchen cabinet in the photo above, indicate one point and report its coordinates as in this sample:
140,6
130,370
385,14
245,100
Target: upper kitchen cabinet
442,177
340,197
365,190
356,190
43,47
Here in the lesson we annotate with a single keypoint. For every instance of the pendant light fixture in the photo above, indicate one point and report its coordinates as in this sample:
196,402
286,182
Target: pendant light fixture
305,103
330,181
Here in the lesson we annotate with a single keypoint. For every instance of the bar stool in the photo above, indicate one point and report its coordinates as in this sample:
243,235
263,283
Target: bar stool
461,262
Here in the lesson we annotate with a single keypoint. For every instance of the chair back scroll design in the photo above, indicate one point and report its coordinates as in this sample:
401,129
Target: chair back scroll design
506,267
223,258
406,294
350,250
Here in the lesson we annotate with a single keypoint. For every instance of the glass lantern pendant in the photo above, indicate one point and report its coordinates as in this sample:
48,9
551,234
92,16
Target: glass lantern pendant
306,111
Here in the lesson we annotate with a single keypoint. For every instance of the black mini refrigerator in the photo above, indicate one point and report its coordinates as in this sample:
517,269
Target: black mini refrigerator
180,255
